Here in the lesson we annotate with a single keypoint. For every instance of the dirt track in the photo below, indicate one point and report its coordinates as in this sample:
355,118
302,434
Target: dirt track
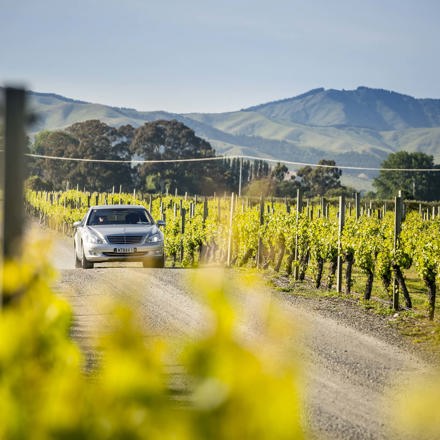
348,371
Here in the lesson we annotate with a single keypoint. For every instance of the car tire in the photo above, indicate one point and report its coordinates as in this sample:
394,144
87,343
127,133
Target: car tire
161,264
157,263
77,260
85,264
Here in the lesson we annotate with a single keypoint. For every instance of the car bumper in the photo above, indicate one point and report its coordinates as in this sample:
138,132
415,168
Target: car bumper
104,252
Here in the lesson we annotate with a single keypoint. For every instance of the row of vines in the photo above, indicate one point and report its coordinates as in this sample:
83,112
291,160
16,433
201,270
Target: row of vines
301,241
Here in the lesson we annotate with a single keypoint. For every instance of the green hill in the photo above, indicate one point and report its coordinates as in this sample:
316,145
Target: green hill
354,127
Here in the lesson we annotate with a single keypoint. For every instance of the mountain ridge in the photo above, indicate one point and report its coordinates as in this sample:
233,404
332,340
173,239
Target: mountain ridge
353,127
365,107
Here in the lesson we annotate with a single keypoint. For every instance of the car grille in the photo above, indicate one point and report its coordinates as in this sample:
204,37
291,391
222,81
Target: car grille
125,239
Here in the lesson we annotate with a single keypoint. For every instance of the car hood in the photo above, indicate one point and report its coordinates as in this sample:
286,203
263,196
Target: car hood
104,230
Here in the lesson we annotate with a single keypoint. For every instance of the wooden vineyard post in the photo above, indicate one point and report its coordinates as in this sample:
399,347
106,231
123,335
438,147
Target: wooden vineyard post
231,218
13,176
240,177
260,240
323,206
64,212
183,218
219,210
205,210
357,204
397,227
162,212
296,254
340,229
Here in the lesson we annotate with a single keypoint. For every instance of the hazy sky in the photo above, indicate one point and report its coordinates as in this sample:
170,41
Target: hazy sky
218,55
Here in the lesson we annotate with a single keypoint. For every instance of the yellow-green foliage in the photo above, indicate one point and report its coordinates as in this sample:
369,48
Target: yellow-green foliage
368,240
238,387
244,388
246,232
416,411
40,367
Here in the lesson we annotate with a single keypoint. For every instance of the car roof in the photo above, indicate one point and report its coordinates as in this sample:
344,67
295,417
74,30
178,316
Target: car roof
117,207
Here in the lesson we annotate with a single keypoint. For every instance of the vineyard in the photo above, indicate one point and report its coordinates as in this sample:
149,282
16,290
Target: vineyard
302,240
49,390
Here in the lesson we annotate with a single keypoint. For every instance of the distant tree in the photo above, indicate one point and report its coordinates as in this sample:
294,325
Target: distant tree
229,173
260,169
312,181
100,141
160,140
260,187
57,144
316,181
287,188
273,185
88,140
38,184
413,185
346,191
279,172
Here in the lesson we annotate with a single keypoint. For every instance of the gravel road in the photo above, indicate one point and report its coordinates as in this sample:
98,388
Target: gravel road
352,359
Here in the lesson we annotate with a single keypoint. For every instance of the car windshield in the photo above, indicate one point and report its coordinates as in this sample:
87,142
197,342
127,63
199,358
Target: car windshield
119,216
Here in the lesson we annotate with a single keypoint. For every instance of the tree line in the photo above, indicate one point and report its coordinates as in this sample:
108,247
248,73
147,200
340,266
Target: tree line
414,185
158,140
171,140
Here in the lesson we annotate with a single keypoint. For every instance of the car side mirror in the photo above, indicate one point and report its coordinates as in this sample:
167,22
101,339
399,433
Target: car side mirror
76,224
160,223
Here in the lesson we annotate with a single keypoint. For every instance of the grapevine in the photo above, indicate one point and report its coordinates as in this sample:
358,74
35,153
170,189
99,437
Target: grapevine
197,232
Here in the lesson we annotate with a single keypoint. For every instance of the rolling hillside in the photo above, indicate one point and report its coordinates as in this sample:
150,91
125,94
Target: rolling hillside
354,127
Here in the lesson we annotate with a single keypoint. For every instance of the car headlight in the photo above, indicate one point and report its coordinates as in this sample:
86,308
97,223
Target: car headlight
154,238
93,238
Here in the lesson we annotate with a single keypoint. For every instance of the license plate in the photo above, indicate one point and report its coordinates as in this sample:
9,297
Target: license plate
125,250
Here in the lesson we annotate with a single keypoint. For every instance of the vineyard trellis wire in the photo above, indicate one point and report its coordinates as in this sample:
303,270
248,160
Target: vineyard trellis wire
236,156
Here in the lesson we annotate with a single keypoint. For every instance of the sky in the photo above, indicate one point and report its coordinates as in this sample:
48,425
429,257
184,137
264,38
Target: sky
217,55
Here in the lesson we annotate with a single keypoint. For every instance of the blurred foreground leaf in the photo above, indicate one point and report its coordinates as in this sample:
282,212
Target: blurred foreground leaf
240,385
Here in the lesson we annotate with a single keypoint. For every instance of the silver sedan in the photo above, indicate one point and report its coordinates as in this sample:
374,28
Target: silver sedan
118,233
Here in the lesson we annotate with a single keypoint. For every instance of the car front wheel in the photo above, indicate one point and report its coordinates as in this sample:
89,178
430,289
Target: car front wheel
85,264
77,260
158,263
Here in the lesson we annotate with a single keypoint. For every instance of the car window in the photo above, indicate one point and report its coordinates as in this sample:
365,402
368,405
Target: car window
119,217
